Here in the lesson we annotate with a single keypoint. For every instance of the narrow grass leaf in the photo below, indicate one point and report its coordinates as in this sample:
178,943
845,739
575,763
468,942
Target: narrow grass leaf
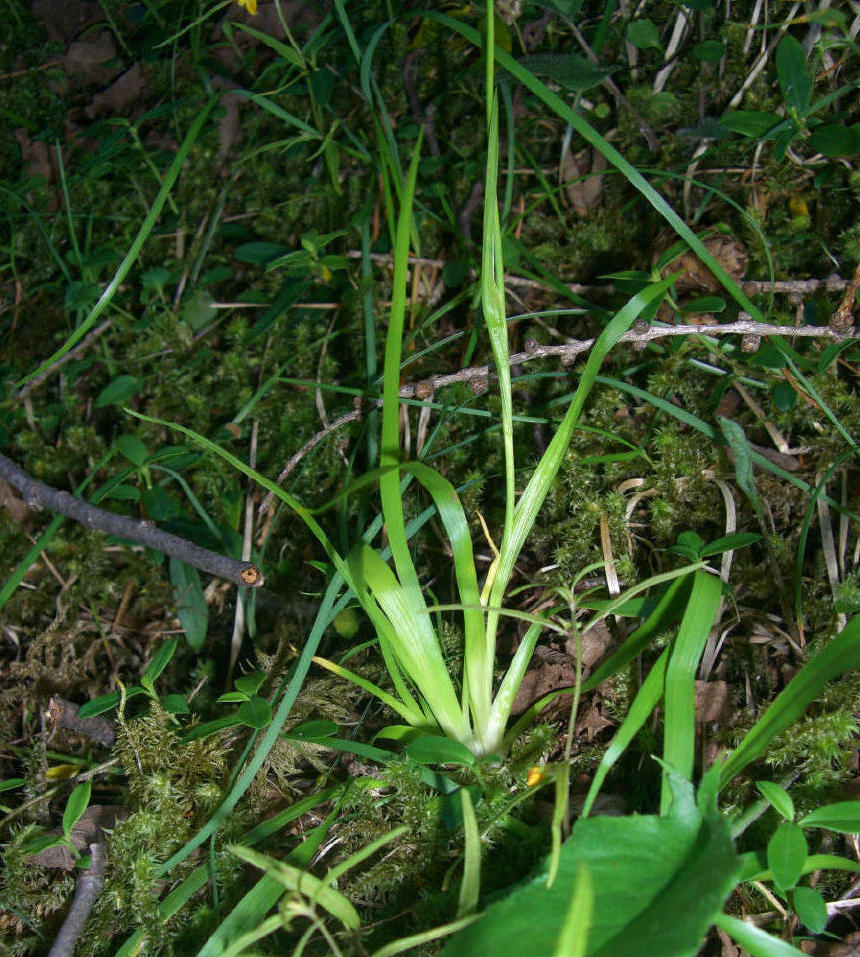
643,704
679,742
493,295
389,482
840,655
191,607
573,937
591,136
295,879
742,453
412,716
403,944
842,816
336,872
470,887
756,941
134,251
76,805
538,486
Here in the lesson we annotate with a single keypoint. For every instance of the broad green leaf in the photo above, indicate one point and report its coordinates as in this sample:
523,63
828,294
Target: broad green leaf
255,713
199,310
810,907
646,872
778,797
132,448
569,70
786,854
175,704
793,73
107,701
643,34
260,253
11,783
435,749
118,391
160,660
191,608
752,123
842,816
834,140
251,683
76,805
320,728
729,543
840,655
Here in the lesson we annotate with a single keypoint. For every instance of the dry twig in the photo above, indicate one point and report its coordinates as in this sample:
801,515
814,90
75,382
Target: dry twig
37,494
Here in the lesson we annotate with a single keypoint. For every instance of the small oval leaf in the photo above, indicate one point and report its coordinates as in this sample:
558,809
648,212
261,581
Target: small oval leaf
786,854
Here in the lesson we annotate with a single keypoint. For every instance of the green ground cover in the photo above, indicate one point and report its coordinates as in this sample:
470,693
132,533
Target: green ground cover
527,381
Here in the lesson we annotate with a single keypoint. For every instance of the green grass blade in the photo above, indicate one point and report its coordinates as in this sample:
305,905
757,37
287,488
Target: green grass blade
295,879
687,418
643,704
839,655
536,491
389,483
591,136
756,941
573,938
668,609
413,717
414,642
493,298
504,700
131,256
679,736
478,664
470,887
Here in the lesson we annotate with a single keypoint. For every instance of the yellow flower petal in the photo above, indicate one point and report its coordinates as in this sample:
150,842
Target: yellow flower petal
535,777
250,6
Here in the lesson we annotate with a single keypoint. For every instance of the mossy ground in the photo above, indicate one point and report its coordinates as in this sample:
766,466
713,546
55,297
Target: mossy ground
211,331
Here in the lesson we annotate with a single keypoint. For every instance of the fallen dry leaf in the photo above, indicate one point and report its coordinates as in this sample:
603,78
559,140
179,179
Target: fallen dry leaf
582,194
712,700
119,97
89,58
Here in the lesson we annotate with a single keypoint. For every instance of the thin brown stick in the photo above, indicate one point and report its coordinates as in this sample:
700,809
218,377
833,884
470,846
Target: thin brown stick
568,351
477,377
39,495
844,315
89,886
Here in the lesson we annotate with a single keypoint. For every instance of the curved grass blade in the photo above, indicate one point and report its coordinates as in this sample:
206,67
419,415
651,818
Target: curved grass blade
679,735
838,656
591,136
131,256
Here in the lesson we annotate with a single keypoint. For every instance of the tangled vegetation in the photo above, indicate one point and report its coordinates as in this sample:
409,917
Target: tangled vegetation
541,488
